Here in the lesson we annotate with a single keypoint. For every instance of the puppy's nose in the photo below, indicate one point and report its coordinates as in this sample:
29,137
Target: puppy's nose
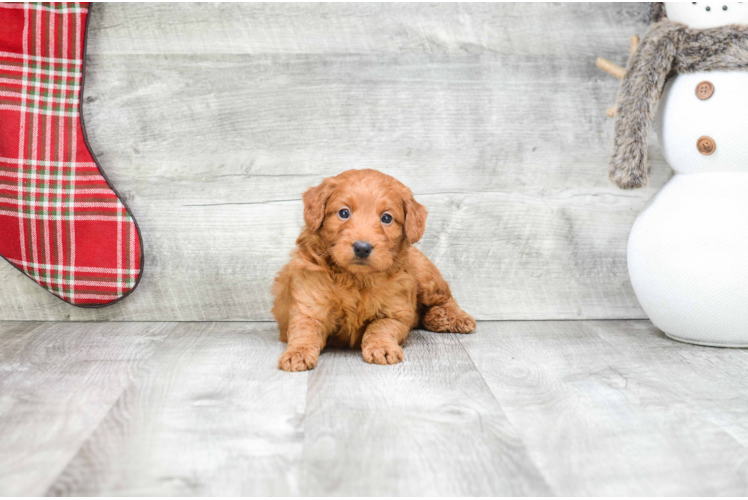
362,249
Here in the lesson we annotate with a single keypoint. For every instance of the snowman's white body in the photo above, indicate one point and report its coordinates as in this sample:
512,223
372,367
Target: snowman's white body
688,249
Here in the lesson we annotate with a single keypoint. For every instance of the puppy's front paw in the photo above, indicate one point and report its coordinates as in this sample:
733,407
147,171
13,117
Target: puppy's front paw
448,318
388,354
298,359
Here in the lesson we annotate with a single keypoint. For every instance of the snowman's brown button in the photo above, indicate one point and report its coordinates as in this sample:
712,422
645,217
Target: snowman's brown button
704,90
706,145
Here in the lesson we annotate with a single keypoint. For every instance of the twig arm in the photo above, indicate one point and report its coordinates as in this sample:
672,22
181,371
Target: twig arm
611,68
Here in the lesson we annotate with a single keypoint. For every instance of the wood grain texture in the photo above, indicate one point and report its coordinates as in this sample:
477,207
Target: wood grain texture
57,382
211,414
344,28
211,120
616,408
428,426
551,408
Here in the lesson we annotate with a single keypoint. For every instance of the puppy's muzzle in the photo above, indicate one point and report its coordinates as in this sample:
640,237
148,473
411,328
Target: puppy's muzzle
362,249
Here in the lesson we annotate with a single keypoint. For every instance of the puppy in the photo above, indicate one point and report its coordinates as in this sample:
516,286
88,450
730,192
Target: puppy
354,278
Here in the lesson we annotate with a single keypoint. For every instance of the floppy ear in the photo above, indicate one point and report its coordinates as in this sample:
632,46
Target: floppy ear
415,217
315,200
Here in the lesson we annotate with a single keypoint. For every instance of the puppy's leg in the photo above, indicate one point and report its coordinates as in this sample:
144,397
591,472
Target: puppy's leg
382,339
441,312
306,339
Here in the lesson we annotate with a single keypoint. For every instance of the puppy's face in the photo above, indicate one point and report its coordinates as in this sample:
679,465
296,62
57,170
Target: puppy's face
365,218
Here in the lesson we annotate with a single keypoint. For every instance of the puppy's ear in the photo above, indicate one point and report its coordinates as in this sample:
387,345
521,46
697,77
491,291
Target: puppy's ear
415,217
315,200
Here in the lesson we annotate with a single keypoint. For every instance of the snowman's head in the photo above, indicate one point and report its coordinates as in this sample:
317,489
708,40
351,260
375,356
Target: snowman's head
704,15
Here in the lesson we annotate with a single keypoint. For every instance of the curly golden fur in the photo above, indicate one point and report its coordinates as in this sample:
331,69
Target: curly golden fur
327,295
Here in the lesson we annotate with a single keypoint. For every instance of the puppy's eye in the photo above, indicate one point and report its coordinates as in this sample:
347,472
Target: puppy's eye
386,219
344,214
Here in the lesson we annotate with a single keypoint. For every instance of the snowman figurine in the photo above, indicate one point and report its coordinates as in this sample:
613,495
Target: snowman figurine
688,249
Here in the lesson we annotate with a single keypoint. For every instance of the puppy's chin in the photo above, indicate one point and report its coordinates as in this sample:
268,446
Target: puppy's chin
354,265
358,266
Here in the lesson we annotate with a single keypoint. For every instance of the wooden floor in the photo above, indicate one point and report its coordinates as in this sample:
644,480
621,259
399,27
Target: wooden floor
556,407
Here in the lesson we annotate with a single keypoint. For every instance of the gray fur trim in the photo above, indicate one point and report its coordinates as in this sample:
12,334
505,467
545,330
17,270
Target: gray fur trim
668,48
657,11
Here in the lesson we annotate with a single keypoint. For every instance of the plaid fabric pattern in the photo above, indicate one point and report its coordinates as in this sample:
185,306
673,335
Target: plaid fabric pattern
60,221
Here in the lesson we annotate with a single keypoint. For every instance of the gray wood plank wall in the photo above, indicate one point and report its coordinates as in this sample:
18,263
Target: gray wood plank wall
211,119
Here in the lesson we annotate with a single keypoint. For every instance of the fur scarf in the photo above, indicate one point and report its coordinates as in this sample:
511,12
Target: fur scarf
667,49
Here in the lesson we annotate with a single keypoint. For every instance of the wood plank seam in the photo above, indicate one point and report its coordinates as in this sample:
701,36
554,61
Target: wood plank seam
50,487
530,452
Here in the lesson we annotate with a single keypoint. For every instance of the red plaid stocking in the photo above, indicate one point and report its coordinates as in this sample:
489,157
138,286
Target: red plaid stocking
61,222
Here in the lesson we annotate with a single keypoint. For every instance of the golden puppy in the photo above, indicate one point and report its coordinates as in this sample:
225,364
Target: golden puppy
354,278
